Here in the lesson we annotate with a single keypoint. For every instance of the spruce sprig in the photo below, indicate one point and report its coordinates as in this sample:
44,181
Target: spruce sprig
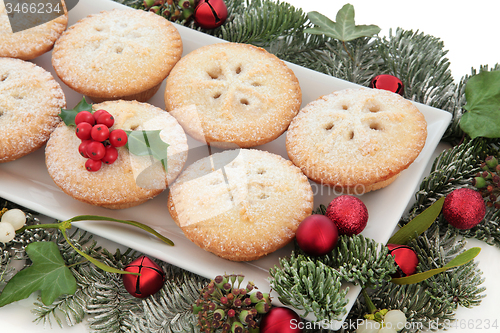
310,286
361,261
264,21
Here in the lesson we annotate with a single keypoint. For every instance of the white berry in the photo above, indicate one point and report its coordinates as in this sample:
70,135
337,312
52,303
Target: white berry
395,319
387,330
7,232
14,217
368,326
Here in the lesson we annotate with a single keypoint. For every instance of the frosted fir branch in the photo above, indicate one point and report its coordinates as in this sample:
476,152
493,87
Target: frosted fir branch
262,22
310,286
361,261
425,75
170,311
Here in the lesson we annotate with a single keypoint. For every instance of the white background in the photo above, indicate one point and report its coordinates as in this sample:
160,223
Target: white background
469,32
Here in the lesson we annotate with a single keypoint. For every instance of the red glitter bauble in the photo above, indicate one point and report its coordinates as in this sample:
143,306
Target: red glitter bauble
405,258
281,320
464,208
348,213
388,82
317,235
210,14
148,283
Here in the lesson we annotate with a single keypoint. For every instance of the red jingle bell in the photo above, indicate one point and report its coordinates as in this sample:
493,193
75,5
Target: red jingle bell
281,320
317,235
405,258
348,213
388,82
148,283
464,208
210,14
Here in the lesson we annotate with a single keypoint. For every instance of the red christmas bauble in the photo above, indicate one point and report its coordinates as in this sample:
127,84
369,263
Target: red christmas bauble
388,82
405,258
464,208
281,320
148,283
348,213
317,235
210,14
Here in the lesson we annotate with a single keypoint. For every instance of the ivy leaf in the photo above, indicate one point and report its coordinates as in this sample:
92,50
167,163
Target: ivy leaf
48,274
418,225
344,29
143,143
459,260
482,93
68,115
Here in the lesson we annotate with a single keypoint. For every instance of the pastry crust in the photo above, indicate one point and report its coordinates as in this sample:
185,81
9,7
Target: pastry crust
31,43
130,180
357,139
30,101
233,93
245,210
117,54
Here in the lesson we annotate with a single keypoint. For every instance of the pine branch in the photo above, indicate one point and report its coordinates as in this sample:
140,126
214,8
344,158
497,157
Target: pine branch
425,74
458,286
310,286
361,261
170,311
452,169
360,65
262,22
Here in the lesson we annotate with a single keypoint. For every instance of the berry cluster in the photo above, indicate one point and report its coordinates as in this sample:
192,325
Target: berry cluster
224,305
12,220
488,181
98,142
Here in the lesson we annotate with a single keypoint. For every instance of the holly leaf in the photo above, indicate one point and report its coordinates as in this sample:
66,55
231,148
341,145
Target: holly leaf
143,143
48,274
68,115
482,93
344,29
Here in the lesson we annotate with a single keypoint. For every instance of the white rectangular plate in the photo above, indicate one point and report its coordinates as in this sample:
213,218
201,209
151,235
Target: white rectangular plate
26,182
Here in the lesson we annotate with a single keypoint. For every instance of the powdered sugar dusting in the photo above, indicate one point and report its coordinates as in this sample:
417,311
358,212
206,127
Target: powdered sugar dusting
117,53
353,137
249,208
30,101
243,94
116,185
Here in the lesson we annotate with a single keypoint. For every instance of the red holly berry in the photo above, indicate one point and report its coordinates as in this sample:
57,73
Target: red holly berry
118,138
111,155
82,148
93,165
84,116
83,131
98,113
100,132
106,119
95,150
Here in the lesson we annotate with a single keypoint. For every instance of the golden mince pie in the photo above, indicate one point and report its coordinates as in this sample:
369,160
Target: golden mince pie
118,54
240,204
231,94
30,101
356,139
128,180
